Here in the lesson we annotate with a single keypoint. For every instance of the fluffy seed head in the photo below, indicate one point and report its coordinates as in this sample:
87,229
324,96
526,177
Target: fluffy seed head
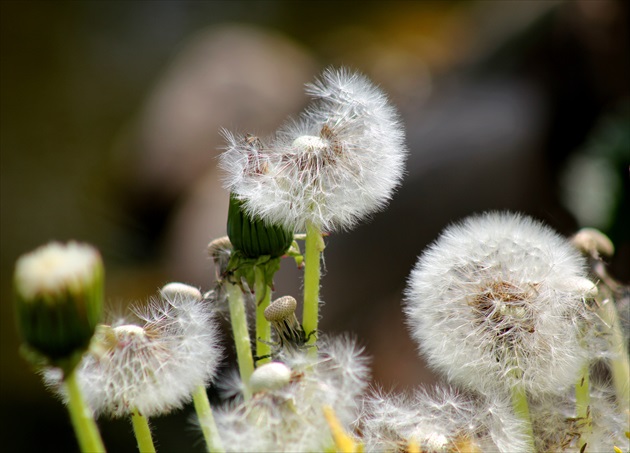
441,420
498,301
336,165
289,417
153,365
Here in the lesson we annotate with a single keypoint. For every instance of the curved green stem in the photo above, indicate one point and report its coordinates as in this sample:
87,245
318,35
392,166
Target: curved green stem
620,363
142,431
312,255
263,327
206,420
240,331
582,405
82,418
521,409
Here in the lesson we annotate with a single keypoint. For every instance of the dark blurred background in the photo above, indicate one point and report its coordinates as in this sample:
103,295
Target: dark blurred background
110,118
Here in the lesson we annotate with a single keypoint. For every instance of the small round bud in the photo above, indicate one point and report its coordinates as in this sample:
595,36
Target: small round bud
593,242
175,289
59,298
281,309
270,376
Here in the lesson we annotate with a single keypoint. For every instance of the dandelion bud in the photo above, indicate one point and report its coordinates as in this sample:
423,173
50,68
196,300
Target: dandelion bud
59,299
175,289
498,302
253,237
281,314
270,376
593,242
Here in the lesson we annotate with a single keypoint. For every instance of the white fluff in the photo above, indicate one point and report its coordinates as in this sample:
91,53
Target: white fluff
290,418
442,420
153,366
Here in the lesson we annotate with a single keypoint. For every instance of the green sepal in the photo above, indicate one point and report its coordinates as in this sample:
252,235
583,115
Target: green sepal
242,269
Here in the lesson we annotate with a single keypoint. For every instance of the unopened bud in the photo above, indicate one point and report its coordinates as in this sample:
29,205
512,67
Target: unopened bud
59,299
175,289
253,237
593,242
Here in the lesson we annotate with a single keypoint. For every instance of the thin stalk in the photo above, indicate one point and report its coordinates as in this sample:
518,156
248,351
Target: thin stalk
521,409
240,331
582,405
312,256
263,327
142,431
206,421
82,417
620,363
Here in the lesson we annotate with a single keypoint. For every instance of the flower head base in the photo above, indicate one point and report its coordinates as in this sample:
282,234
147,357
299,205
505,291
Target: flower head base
153,367
59,300
498,301
336,165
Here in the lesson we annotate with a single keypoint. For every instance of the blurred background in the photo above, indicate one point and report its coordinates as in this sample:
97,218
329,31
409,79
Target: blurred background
110,115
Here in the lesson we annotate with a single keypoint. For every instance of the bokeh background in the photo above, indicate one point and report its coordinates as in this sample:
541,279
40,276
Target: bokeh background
110,119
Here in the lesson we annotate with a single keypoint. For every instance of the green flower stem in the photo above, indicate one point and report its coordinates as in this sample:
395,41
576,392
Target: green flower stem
312,255
521,409
206,421
620,364
82,417
142,431
263,327
582,403
241,336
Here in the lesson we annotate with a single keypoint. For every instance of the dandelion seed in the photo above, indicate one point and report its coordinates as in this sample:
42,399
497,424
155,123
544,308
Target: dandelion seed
497,302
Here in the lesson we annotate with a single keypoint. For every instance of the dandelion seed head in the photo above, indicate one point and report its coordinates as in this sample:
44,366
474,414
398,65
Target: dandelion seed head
152,364
498,300
334,166
289,417
439,420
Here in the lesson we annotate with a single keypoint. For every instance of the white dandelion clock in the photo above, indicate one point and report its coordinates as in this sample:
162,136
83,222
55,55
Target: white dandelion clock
286,412
442,420
497,302
336,165
155,365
